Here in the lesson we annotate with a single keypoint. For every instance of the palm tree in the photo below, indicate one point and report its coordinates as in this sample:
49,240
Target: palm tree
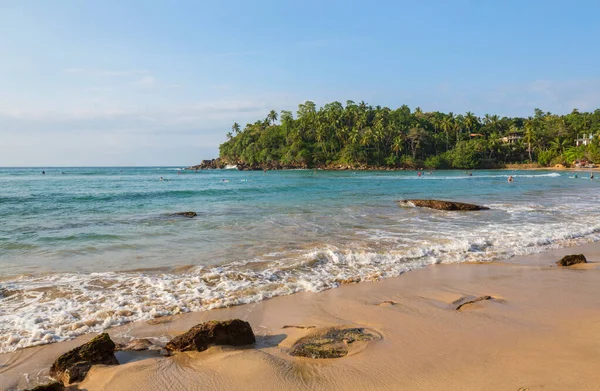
529,136
236,128
447,126
470,120
272,117
416,136
397,145
229,136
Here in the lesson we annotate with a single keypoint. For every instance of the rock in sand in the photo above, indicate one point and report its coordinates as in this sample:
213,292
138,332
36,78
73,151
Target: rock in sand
54,386
74,365
234,332
572,259
330,343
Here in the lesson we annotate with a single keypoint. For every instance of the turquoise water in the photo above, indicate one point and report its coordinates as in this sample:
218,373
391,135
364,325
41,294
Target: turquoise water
82,249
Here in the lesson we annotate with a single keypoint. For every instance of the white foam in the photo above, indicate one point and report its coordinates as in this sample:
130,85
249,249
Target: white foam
58,307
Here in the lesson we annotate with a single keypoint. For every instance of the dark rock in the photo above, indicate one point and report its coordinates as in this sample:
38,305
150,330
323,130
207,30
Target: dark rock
329,343
212,164
54,386
441,205
75,364
572,260
185,214
463,301
234,332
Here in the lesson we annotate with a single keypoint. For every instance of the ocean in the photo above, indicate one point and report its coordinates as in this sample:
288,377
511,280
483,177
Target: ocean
84,249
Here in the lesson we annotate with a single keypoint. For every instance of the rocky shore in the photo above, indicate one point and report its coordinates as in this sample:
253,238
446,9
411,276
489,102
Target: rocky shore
218,163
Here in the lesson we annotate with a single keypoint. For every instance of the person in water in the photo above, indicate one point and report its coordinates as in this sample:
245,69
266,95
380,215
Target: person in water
591,175
419,174
43,172
511,179
161,179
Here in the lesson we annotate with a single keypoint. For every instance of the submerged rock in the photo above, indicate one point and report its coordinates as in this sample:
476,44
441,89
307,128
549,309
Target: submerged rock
185,214
234,332
572,259
330,343
441,205
74,365
54,386
136,345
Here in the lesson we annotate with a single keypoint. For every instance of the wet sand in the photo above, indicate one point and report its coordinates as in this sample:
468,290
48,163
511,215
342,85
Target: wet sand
539,331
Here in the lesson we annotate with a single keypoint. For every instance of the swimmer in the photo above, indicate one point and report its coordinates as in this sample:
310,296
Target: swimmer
43,172
419,174
575,176
591,175
161,179
511,179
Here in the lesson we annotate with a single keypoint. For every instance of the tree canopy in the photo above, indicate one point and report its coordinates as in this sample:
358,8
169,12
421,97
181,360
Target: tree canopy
360,135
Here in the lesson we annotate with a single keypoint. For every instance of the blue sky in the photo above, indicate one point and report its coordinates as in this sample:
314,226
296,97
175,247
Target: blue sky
161,82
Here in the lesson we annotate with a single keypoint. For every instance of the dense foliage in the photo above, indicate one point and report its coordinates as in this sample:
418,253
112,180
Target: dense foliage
362,135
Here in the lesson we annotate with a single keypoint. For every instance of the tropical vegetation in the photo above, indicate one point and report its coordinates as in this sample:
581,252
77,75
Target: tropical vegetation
360,135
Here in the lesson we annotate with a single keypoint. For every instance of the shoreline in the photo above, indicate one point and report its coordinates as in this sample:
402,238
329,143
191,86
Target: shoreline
541,316
211,165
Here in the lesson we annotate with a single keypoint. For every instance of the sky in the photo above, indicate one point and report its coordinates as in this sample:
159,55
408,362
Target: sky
133,83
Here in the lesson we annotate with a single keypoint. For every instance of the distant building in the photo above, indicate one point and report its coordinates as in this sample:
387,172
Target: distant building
584,140
512,138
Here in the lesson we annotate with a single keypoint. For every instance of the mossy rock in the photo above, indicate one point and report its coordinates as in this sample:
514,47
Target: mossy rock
74,365
330,343
54,386
572,259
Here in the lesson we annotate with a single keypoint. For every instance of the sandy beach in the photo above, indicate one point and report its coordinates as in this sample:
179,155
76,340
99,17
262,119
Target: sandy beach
539,331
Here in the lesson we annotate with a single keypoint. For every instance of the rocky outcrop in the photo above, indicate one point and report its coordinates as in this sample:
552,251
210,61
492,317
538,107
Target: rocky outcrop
330,343
212,164
572,260
74,365
441,205
234,332
184,214
54,386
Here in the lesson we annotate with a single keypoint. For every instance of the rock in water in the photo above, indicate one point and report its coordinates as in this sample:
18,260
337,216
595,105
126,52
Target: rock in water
55,386
185,214
441,205
572,260
329,343
74,365
234,332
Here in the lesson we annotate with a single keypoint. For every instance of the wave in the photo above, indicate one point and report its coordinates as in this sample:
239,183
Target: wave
456,177
37,310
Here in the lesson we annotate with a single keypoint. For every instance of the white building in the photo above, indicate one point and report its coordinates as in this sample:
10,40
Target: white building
584,140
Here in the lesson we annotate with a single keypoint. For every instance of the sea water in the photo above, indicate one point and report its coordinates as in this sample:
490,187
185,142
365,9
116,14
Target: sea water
84,249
